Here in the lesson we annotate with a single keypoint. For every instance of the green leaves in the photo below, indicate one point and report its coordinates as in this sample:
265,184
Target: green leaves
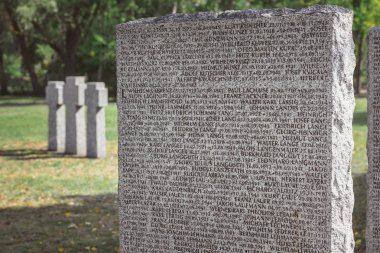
100,39
51,28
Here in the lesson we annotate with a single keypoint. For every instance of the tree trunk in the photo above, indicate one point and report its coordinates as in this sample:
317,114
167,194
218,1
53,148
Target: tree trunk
358,40
28,63
3,78
26,53
357,72
69,65
99,73
72,42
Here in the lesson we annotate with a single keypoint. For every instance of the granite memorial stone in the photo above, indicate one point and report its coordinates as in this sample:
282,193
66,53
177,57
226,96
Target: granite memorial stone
56,131
74,91
96,101
373,142
235,132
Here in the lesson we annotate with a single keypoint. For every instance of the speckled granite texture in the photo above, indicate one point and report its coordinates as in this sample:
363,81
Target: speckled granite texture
373,144
235,131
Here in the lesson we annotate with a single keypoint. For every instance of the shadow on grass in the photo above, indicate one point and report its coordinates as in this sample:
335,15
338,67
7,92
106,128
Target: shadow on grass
33,154
360,208
90,226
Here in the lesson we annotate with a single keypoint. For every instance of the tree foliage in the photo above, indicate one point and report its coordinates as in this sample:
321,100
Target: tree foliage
42,40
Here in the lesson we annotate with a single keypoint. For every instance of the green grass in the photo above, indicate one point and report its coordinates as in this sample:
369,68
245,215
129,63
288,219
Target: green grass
359,171
27,120
24,159
51,202
359,161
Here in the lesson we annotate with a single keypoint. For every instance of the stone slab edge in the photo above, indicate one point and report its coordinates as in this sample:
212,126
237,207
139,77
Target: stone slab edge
369,236
251,13
343,104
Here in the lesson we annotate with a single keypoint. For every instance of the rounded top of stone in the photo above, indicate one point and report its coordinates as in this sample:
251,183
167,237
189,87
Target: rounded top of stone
374,30
251,13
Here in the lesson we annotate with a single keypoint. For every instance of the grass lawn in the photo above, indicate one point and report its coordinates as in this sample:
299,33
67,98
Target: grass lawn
359,172
51,202
58,203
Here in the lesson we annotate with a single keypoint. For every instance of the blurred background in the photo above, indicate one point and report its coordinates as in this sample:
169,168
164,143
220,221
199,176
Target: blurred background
43,40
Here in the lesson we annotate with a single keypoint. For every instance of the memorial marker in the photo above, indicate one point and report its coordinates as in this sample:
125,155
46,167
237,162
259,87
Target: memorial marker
373,143
54,97
96,101
74,90
235,132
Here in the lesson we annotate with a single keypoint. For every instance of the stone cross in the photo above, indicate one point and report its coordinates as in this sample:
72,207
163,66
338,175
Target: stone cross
235,131
54,97
373,142
96,101
74,91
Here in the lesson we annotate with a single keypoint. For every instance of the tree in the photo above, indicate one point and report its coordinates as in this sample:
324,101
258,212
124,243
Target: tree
62,24
69,37
26,47
358,36
3,77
